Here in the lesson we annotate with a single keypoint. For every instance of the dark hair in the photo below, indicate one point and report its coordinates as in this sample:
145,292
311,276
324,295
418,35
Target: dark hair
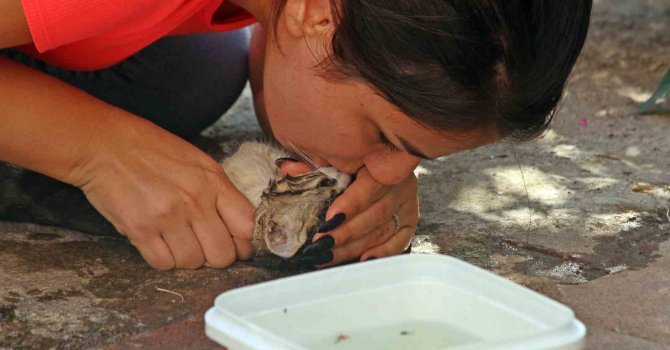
462,64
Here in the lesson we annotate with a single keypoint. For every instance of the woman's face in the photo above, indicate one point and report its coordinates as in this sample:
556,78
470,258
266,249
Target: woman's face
342,123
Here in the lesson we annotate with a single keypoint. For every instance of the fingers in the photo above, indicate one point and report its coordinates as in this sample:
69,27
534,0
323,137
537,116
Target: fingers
409,215
217,243
198,237
365,223
207,242
377,212
155,251
358,197
354,249
182,241
381,241
245,250
236,212
394,246
185,248
372,231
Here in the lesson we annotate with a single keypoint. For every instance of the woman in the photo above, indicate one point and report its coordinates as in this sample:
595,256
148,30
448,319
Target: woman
369,86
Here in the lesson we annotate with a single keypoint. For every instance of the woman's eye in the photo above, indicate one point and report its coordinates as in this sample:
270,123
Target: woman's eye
385,141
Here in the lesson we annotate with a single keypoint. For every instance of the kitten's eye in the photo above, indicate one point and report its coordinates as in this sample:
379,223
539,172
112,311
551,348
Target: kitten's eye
326,183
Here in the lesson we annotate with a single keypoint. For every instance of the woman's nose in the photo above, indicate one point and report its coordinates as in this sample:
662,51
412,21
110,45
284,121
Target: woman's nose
391,168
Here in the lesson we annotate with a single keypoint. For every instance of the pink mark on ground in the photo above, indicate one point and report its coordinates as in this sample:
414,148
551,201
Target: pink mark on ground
584,122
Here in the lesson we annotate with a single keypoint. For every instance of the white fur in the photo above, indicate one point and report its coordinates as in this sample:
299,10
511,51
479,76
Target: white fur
251,168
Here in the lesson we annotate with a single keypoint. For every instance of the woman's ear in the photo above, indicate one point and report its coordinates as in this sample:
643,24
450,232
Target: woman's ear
308,19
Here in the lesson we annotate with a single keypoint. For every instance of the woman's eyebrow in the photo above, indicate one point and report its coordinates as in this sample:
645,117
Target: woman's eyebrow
409,148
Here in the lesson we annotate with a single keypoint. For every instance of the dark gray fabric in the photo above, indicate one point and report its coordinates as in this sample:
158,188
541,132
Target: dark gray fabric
182,83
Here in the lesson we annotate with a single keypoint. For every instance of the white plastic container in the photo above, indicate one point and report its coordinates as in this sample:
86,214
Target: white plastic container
407,302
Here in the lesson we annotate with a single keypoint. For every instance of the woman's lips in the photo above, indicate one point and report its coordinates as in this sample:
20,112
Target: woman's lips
299,154
322,163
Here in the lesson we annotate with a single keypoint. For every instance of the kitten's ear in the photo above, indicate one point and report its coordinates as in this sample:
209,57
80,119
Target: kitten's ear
279,241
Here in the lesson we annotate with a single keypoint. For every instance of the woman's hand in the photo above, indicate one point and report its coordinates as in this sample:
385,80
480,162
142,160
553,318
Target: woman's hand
369,229
361,220
172,201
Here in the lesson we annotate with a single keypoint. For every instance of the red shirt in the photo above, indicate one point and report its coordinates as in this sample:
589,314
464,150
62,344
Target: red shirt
94,34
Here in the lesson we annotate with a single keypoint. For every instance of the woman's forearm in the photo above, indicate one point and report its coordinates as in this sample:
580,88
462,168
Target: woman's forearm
13,26
51,127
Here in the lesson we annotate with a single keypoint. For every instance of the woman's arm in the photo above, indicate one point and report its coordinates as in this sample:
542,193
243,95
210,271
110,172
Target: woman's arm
170,199
47,125
13,27
40,128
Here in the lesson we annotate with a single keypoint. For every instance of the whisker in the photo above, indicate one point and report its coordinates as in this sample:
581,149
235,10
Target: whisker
330,172
304,156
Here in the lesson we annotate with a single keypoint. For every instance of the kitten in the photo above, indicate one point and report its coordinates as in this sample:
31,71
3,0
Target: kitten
289,210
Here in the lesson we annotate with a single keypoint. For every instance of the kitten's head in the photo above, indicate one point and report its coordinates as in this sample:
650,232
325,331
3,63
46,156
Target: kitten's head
293,208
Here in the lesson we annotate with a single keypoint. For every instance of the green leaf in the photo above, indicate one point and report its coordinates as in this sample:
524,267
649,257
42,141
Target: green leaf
663,89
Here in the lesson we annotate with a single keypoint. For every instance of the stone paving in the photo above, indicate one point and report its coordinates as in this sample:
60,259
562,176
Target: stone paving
584,221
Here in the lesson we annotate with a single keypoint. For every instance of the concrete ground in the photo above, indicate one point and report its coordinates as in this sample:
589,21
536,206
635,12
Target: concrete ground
597,238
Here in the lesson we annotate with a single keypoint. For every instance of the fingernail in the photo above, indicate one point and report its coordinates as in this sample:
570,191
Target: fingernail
370,258
281,160
323,244
320,259
408,250
332,223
